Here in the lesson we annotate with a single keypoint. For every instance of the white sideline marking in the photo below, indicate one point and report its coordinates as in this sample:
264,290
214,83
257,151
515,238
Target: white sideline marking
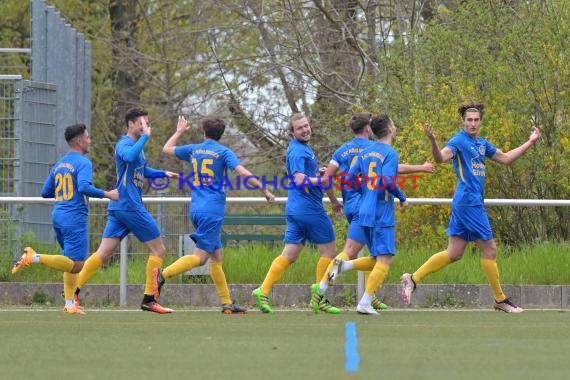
352,360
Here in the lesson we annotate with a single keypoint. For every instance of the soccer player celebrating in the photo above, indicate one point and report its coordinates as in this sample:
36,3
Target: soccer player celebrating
469,221
209,162
344,159
70,183
306,217
128,214
375,223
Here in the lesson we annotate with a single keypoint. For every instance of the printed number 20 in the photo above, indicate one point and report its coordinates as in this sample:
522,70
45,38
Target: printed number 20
63,187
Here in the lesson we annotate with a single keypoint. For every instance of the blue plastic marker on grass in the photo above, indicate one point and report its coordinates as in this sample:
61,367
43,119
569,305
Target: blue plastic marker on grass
352,358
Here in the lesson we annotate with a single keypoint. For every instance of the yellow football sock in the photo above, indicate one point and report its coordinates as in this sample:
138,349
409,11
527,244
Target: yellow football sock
181,265
219,278
492,272
58,262
69,284
435,263
377,277
322,266
93,263
364,263
153,262
366,277
343,256
278,268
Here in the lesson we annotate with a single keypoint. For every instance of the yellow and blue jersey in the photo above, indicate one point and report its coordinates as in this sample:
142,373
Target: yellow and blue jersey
377,199
131,172
304,199
345,157
70,183
469,162
209,162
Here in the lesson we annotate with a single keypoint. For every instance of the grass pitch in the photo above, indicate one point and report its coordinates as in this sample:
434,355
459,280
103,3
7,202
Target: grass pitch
425,344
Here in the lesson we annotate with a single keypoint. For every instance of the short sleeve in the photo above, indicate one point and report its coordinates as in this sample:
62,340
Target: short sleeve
297,164
184,152
454,144
336,158
230,159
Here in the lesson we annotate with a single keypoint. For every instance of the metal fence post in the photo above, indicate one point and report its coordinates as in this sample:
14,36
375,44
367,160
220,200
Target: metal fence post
123,271
360,284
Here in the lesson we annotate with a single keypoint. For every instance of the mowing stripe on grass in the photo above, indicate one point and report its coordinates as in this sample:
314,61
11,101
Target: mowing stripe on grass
352,358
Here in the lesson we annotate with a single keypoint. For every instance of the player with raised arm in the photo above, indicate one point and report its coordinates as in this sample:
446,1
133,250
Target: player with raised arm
128,214
209,162
469,221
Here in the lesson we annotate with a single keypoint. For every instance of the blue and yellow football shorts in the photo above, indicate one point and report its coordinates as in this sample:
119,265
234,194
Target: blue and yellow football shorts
73,242
316,228
140,223
469,223
208,231
355,230
381,240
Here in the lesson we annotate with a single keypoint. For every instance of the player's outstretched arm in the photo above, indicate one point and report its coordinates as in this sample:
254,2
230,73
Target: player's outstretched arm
440,156
336,205
252,181
326,180
300,179
112,194
304,180
390,173
514,154
181,127
149,172
427,167
85,183
86,188
330,172
158,173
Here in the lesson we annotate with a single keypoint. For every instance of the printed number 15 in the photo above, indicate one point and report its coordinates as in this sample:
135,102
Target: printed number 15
205,171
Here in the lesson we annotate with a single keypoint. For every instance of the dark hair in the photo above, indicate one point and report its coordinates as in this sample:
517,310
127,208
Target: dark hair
74,131
214,127
359,121
133,114
294,118
380,125
471,108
